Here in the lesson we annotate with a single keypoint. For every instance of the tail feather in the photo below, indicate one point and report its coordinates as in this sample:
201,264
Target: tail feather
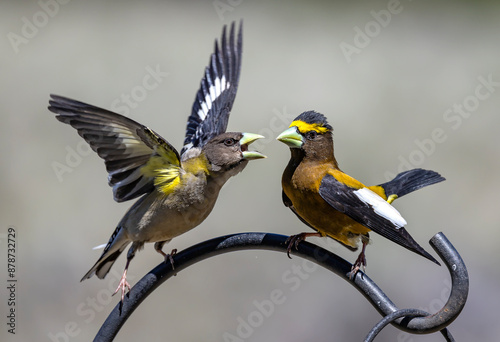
112,251
409,181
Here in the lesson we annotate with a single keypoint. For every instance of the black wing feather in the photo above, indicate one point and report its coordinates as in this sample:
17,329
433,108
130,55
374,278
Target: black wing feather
342,198
214,100
125,145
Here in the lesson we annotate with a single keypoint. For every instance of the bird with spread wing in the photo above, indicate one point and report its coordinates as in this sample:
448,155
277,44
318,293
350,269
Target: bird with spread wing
177,191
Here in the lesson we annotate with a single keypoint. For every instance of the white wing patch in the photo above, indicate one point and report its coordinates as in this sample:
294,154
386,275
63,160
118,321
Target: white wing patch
213,93
100,246
381,207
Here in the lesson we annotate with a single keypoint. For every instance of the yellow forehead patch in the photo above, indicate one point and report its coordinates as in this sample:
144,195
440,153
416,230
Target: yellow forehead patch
305,127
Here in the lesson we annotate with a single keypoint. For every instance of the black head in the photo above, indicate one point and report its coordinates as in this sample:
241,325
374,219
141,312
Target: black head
309,135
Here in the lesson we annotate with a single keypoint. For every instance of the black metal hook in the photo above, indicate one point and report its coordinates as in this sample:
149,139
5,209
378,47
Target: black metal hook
403,313
456,301
332,262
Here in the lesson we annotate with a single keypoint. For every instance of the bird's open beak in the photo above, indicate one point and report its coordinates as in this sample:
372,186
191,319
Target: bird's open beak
291,137
246,140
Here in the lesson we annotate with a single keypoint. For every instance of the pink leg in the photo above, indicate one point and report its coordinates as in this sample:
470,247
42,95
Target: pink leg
123,285
158,248
360,261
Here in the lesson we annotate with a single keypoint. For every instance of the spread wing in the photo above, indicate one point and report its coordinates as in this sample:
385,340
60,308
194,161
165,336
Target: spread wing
136,158
370,210
214,100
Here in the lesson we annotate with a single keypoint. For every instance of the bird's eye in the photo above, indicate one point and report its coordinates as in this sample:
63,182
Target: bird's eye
229,142
311,135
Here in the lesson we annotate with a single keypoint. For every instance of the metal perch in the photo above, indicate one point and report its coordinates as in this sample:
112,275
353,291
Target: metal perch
409,320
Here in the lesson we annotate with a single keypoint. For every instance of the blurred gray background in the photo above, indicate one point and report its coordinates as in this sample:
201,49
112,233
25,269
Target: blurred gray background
402,83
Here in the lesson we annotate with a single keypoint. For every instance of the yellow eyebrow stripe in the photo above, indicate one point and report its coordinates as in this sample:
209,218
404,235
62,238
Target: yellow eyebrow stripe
305,127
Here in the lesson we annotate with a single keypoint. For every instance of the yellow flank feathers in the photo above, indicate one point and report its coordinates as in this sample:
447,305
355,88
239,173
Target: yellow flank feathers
164,168
379,191
306,127
166,175
166,182
196,165
346,179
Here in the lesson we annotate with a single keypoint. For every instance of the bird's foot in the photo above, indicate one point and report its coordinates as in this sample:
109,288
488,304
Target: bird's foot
358,264
123,286
294,240
170,258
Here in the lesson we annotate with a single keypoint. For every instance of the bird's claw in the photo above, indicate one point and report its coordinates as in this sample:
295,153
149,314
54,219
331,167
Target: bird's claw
123,285
293,240
358,264
169,257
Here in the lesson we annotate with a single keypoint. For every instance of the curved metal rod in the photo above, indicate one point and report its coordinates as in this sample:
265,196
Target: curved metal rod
456,301
400,314
306,250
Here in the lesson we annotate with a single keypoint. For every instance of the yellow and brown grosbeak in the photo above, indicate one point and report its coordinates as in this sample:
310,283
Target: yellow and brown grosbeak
337,205
178,190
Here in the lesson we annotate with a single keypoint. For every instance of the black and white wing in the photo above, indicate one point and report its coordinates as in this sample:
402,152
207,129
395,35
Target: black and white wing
137,159
214,100
369,209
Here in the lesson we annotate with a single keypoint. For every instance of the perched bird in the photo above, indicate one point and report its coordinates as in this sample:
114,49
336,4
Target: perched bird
178,190
335,204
